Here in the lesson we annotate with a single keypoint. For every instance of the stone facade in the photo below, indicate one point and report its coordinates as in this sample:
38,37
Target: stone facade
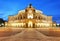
30,17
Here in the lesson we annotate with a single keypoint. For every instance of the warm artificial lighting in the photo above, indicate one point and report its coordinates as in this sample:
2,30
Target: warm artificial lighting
30,16
42,24
18,24
30,24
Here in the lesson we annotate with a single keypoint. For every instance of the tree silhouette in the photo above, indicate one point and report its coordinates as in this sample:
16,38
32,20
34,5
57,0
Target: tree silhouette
2,21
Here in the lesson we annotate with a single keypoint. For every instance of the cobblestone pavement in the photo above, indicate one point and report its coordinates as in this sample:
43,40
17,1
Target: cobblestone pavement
29,34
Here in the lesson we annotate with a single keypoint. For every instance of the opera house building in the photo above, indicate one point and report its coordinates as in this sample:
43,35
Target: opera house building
30,18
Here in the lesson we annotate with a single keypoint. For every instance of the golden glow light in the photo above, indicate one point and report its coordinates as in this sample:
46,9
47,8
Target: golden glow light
30,24
30,16
43,24
18,24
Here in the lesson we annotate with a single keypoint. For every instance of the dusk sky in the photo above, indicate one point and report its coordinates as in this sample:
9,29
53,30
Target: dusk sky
49,7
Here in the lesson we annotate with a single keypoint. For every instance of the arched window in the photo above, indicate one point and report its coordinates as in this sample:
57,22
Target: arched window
30,16
38,17
35,17
24,17
21,17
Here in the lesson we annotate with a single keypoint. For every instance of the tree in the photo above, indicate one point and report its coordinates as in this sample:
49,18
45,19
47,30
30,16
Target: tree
2,21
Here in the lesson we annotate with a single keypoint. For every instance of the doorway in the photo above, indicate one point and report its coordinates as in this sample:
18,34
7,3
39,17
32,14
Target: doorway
30,24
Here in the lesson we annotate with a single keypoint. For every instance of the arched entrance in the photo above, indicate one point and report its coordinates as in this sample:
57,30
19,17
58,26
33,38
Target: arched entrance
30,24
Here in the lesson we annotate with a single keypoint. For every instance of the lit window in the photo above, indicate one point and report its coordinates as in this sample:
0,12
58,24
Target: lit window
30,16
30,24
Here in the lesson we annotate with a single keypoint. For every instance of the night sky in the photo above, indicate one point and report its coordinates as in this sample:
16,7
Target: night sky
49,7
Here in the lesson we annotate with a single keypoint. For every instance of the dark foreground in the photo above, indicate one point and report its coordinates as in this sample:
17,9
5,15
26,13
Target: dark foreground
27,34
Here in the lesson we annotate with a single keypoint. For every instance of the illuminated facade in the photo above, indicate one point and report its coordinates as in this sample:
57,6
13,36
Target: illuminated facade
30,17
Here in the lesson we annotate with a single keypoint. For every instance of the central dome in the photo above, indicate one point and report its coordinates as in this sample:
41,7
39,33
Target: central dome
30,9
